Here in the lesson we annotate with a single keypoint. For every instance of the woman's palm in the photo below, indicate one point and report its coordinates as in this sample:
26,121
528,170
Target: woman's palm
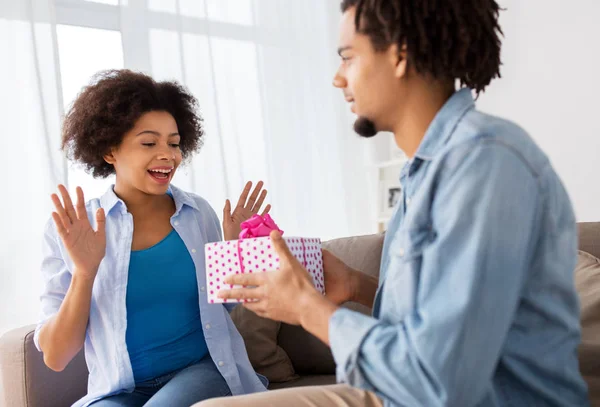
245,209
85,246
83,243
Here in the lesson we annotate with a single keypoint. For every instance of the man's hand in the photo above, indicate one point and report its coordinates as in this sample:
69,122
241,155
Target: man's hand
340,280
281,295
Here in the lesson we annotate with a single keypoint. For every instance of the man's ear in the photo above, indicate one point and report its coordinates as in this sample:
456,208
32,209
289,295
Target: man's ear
400,60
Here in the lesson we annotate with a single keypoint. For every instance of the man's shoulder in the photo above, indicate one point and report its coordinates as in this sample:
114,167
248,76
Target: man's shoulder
478,130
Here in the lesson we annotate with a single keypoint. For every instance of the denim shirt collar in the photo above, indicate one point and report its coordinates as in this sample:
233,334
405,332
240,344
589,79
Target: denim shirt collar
110,200
444,123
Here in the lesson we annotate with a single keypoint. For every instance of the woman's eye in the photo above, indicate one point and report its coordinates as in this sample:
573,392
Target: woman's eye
175,145
148,144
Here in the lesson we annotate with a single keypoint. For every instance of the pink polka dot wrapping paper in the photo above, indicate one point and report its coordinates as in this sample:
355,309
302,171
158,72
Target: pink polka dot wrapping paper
257,255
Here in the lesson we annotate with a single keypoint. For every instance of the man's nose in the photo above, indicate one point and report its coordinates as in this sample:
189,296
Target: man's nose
339,81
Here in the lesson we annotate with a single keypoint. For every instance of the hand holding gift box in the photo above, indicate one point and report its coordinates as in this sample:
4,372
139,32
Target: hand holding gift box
254,253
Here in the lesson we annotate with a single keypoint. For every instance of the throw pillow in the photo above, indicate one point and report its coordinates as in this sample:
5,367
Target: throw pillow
308,354
260,338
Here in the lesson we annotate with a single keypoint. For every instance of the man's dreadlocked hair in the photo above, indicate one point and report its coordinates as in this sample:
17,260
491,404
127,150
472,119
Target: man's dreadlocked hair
448,39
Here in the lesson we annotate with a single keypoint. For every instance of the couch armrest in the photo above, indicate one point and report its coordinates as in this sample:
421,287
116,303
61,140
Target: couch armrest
27,382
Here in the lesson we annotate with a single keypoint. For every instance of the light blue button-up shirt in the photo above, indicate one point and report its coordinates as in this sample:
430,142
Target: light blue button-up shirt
476,303
105,347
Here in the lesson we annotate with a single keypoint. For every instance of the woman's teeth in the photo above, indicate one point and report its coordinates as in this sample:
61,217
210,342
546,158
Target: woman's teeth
162,174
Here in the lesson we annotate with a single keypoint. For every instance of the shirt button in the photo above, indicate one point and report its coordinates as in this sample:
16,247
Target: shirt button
203,289
407,201
207,326
193,250
176,223
401,252
221,363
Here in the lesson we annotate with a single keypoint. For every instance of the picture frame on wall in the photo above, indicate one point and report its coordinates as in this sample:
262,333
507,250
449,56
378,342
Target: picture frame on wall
391,193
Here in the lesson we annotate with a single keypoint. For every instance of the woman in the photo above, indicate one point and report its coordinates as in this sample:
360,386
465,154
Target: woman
131,290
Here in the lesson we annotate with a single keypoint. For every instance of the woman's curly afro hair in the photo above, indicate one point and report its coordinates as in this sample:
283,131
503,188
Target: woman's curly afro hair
110,106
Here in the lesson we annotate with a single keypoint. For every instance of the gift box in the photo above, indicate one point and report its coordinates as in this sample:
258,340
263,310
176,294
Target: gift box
254,253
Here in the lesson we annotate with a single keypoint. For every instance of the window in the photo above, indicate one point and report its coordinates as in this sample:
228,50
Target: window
82,53
109,2
230,11
206,45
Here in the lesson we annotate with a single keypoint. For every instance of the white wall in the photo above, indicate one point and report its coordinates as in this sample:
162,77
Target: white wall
357,155
551,84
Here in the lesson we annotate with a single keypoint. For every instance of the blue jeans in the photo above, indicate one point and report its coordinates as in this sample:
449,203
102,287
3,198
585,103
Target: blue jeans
183,388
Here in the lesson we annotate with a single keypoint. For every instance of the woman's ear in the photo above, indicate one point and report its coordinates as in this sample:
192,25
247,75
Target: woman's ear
110,157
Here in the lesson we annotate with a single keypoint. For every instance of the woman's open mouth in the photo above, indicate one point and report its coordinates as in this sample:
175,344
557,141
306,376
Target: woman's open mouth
161,175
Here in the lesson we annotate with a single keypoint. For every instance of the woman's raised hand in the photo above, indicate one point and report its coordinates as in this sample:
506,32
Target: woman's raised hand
85,246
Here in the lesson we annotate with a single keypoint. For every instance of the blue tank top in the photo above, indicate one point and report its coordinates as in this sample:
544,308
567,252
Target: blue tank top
164,330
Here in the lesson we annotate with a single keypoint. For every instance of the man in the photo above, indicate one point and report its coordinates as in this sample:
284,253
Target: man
475,304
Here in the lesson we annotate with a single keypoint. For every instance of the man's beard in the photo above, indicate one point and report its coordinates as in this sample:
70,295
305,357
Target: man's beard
365,127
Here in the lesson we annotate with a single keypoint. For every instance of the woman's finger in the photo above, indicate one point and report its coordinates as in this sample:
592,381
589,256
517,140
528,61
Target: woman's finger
101,223
260,201
68,204
60,211
81,211
252,199
60,228
267,209
227,211
244,196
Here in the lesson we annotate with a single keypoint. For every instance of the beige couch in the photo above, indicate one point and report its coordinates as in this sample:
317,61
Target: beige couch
27,382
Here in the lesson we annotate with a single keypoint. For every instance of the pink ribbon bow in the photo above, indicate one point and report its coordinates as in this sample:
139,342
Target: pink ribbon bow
258,226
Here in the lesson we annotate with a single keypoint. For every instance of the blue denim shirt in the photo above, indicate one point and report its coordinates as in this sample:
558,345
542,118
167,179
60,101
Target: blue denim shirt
105,346
476,303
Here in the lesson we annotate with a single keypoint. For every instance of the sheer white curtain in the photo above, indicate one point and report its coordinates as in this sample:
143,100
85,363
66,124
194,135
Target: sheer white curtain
29,116
262,71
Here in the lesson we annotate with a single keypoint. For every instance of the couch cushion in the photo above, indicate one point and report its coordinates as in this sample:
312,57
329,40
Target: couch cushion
308,354
587,282
260,338
589,237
